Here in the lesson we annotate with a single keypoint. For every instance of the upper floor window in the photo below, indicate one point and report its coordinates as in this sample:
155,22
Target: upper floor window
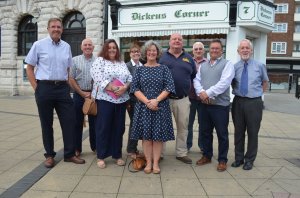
74,31
280,27
278,48
297,28
27,34
282,8
297,9
296,47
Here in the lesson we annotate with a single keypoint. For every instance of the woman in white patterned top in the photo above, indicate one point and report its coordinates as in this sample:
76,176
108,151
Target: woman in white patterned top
111,102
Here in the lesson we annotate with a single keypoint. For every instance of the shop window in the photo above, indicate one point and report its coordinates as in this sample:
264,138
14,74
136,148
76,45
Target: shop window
278,48
280,27
27,34
74,31
282,8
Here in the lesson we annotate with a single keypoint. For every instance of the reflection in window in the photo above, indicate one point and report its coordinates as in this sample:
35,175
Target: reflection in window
27,34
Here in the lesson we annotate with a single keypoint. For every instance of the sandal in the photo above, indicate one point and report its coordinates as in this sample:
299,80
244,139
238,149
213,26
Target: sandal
120,162
101,164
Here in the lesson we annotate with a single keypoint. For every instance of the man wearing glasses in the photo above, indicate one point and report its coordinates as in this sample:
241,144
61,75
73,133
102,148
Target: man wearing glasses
198,52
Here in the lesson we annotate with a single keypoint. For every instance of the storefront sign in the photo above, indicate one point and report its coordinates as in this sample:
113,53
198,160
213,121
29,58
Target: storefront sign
167,14
255,12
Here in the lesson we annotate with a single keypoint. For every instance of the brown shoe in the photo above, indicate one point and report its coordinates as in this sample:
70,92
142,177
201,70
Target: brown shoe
75,160
221,166
49,162
204,160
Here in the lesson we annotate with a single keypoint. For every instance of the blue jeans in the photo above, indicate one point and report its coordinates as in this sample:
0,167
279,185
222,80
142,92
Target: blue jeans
78,103
215,116
195,107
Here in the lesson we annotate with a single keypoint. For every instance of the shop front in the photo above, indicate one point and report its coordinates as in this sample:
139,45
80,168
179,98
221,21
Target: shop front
230,21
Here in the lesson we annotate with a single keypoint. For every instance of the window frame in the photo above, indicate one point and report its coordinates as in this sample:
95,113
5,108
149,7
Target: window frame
25,34
277,29
282,11
275,45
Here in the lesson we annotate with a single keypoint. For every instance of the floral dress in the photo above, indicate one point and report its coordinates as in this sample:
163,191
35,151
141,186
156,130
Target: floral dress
148,124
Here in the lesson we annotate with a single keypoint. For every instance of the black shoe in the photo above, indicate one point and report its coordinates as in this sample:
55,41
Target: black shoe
236,164
248,166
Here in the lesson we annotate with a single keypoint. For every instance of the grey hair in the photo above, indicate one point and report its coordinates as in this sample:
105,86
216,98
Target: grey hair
198,43
146,47
248,41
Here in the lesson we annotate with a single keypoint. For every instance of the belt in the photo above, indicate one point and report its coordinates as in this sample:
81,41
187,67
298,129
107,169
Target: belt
52,82
174,97
247,98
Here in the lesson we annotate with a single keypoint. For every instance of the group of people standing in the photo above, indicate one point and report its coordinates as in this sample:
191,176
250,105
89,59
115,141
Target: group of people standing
170,82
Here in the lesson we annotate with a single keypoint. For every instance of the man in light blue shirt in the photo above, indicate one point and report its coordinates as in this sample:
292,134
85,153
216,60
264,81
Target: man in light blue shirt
48,63
249,83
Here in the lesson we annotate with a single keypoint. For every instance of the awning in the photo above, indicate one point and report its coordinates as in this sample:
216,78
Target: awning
152,32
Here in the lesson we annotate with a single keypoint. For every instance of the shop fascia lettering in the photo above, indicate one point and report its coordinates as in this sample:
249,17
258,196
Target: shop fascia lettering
177,14
215,12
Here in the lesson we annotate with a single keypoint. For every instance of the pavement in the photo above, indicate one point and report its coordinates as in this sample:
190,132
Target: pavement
276,171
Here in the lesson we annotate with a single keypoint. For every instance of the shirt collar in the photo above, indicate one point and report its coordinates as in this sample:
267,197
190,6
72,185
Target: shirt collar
133,63
53,42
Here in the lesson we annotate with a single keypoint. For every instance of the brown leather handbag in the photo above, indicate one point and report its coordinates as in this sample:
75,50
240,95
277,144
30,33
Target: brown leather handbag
89,107
138,164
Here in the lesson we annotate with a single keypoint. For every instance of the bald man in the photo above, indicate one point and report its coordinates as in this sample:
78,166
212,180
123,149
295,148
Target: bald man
183,70
80,80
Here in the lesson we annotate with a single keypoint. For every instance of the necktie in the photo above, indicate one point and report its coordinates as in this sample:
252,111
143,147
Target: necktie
244,80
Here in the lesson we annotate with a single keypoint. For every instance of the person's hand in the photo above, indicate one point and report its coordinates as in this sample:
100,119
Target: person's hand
204,97
85,94
152,104
120,90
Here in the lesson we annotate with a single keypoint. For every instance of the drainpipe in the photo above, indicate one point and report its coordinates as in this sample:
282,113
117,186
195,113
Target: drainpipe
105,21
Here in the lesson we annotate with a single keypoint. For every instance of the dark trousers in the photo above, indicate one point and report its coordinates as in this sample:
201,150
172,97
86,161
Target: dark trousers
195,108
110,127
78,103
246,115
131,144
56,96
215,116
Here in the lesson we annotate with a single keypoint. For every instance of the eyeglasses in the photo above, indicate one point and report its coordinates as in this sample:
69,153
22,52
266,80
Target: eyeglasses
135,51
200,48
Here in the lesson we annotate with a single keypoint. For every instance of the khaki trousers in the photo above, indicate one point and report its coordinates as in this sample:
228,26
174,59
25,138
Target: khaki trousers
181,111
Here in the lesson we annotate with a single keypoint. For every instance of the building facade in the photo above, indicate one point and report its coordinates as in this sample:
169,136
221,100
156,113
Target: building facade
283,46
128,21
24,21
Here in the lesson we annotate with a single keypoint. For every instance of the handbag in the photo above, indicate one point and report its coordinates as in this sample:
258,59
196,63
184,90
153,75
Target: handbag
138,164
90,106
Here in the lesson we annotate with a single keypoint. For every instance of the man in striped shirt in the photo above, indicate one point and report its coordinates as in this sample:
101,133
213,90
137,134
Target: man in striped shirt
81,82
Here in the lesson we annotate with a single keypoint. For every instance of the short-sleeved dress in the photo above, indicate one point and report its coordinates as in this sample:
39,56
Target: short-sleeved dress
148,124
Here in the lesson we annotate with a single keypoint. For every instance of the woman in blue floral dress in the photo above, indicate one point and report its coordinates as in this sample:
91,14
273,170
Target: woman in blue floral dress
152,121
